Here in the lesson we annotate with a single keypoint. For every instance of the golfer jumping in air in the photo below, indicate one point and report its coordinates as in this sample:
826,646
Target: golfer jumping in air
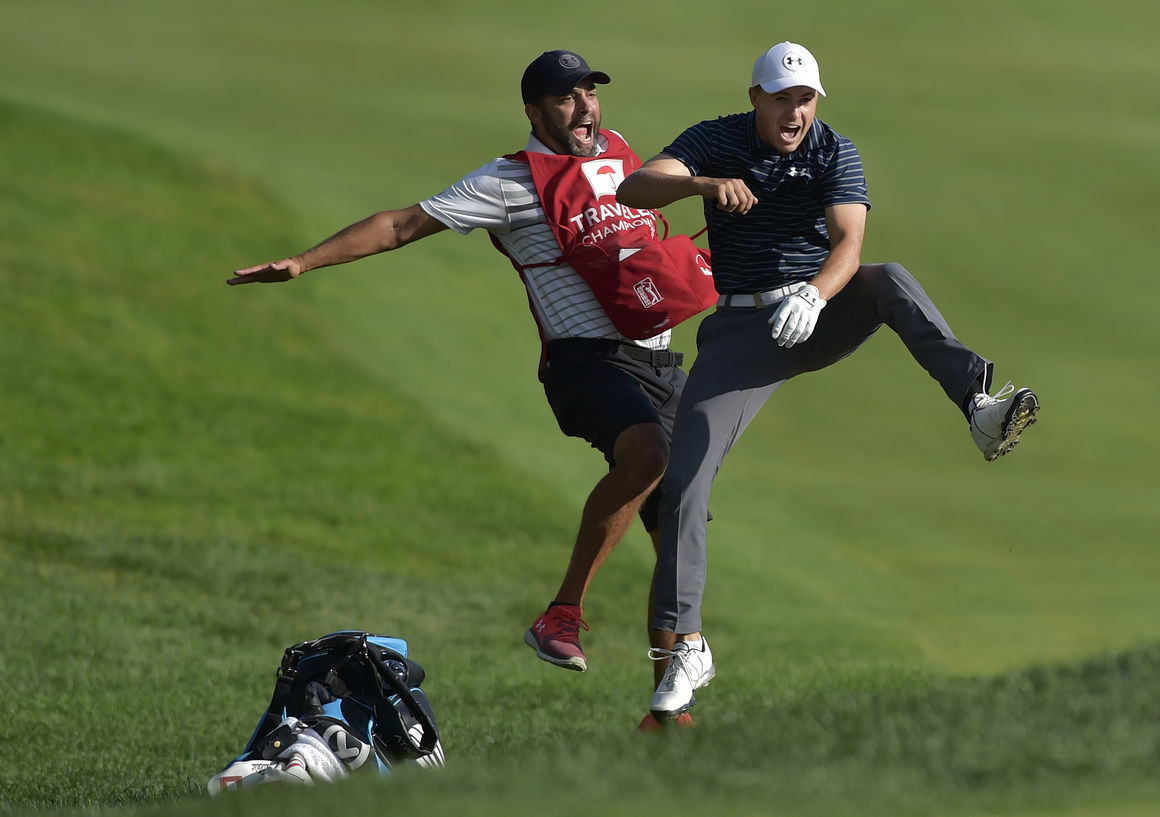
785,203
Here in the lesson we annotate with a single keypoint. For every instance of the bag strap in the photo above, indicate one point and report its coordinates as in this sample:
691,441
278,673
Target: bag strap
388,678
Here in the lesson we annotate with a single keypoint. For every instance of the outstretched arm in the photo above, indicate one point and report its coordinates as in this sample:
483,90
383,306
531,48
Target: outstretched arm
662,180
381,232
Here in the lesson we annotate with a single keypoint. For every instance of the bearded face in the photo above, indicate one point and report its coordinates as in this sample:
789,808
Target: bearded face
568,124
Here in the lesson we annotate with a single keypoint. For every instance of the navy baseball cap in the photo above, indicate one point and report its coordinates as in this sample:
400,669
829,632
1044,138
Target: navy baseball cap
555,73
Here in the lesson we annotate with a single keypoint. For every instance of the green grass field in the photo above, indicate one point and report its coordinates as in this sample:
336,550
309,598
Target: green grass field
193,477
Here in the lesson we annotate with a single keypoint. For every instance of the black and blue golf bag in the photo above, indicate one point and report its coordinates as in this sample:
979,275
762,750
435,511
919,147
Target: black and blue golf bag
345,701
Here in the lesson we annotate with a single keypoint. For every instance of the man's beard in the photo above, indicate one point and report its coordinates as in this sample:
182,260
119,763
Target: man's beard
565,137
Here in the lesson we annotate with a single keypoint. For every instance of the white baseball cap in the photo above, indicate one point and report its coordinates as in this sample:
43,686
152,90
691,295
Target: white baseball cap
785,66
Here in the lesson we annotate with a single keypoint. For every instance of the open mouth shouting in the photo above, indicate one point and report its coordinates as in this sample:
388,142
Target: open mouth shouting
790,135
582,137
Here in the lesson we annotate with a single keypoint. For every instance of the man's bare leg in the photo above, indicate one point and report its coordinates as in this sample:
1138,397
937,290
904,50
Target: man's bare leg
641,455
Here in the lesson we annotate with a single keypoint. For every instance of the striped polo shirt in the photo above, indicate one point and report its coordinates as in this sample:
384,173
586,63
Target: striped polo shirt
783,239
501,197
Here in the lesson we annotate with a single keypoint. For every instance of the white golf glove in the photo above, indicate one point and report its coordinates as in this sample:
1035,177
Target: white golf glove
794,320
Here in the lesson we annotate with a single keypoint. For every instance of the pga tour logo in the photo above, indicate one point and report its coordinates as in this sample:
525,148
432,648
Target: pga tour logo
648,293
604,175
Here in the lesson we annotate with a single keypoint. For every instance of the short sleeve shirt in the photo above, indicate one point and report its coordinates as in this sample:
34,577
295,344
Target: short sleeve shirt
501,197
783,239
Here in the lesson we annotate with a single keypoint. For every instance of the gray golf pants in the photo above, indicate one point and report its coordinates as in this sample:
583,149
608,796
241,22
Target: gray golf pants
738,368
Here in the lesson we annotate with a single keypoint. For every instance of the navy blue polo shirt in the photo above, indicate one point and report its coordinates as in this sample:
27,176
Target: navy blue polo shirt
783,239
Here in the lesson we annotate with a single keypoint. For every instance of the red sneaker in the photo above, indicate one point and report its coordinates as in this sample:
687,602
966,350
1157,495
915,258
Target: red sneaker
651,724
556,637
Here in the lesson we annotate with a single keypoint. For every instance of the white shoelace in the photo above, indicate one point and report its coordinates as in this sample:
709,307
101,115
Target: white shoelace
1005,392
983,400
676,663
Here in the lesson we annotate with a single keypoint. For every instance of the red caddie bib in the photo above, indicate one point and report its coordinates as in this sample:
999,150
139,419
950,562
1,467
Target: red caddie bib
645,284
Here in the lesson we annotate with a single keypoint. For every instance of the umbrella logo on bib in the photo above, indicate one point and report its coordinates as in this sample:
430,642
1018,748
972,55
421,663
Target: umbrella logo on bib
604,175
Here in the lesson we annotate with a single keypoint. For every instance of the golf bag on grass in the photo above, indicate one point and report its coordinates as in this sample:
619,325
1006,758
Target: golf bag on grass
348,700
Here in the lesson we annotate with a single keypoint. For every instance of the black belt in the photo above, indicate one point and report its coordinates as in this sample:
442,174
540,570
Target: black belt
657,358
586,348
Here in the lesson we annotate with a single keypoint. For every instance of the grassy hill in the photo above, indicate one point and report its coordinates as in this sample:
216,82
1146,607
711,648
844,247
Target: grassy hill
194,477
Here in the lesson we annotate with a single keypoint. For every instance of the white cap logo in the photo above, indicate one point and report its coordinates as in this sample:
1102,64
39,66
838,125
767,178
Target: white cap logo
792,61
569,61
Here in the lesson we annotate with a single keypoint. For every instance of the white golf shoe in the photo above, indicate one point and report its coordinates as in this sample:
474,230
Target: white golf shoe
690,668
997,422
